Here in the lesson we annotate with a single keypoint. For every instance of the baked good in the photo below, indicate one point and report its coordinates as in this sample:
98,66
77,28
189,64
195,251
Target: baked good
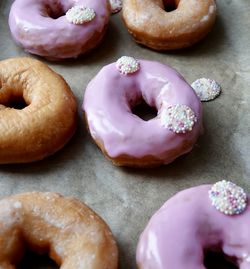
156,25
125,138
47,119
197,220
58,29
72,234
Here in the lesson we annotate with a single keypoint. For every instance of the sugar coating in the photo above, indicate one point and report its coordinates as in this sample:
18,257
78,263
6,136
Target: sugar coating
206,89
212,9
205,18
116,5
17,205
80,14
228,198
64,225
127,65
178,118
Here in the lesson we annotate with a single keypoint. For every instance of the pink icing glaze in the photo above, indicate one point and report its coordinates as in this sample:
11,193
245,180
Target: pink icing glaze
108,101
33,29
187,225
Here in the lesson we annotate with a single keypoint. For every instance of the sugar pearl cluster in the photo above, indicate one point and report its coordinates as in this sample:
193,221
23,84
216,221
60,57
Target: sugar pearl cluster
116,5
228,198
246,257
206,89
80,14
178,118
127,65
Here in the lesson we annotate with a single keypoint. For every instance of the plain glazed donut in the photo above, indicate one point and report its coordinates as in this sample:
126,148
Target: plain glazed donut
158,29
205,218
46,123
71,233
41,26
126,139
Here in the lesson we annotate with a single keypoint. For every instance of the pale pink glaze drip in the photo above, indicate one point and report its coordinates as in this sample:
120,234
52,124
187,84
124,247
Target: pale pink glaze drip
108,101
186,226
40,34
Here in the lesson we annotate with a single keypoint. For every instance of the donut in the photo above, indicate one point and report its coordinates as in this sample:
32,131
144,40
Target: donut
195,221
125,138
48,119
72,234
152,25
58,29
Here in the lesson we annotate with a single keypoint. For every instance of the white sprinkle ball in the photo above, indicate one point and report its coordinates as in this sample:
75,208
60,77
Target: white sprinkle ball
80,14
206,89
127,65
178,118
116,5
228,198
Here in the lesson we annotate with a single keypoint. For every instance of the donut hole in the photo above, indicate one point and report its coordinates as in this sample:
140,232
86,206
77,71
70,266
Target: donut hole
170,5
54,10
13,97
217,260
144,111
17,103
32,260
14,101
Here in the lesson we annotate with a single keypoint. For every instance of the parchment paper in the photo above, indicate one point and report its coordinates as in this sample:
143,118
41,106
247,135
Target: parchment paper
126,198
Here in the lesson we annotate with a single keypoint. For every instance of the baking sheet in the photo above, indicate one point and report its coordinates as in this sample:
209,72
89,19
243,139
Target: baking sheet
126,198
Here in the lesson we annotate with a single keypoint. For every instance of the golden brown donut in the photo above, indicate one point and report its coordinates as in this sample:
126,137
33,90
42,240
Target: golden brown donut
151,25
46,123
73,235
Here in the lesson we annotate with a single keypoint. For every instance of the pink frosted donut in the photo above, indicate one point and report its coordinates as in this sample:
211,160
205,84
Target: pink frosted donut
125,138
197,220
41,26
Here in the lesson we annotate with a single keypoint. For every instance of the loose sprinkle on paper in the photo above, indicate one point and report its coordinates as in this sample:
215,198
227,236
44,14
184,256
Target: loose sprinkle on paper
206,89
